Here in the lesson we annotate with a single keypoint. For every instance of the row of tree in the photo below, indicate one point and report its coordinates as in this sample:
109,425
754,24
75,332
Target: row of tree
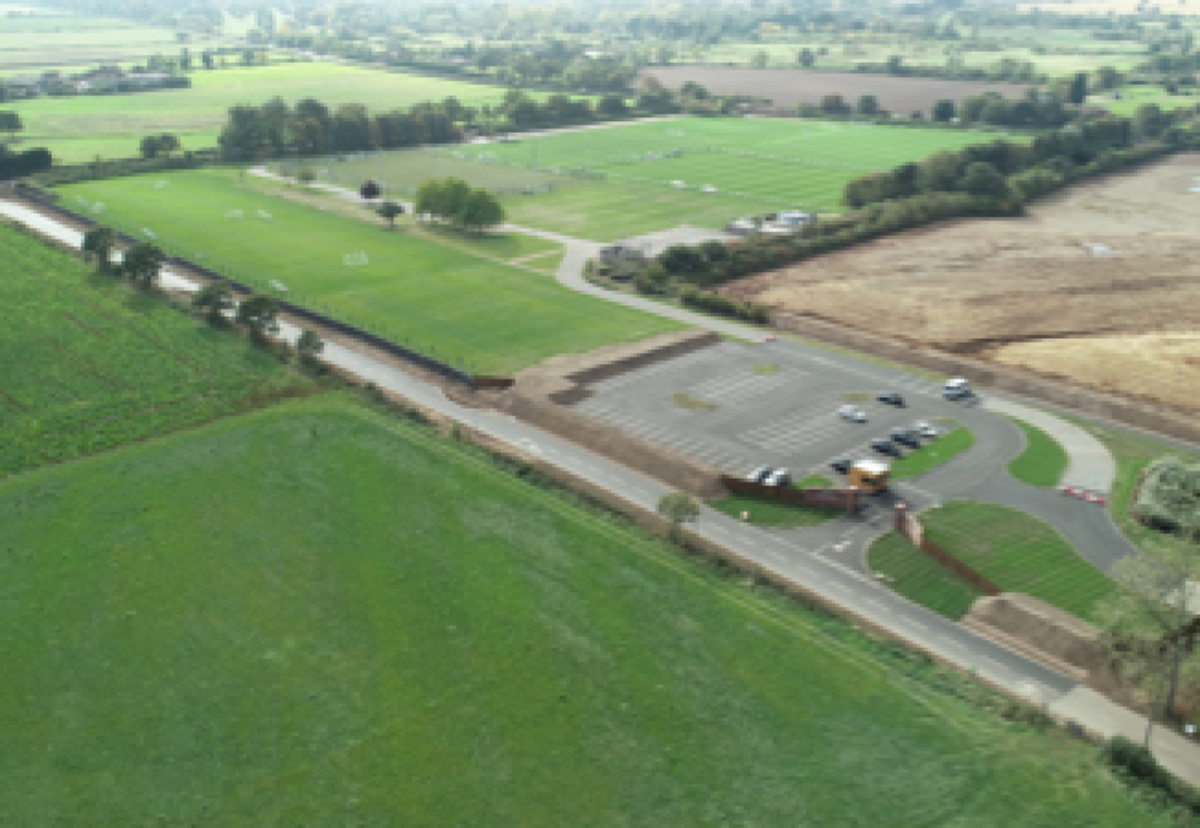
21,164
1003,169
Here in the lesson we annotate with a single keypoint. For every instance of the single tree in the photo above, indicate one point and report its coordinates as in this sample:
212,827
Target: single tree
305,175
1077,92
369,190
142,264
214,300
833,104
868,105
98,244
309,345
679,508
760,59
806,57
10,122
943,111
258,314
389,210
480,210
431,198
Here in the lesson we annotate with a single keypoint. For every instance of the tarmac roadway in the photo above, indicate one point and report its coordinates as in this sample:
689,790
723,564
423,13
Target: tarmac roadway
837,583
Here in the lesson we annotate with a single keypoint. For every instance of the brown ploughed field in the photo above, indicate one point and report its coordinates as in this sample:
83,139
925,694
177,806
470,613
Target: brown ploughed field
1032,291
788,87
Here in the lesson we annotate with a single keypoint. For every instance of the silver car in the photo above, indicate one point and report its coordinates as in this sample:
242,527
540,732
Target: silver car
852,413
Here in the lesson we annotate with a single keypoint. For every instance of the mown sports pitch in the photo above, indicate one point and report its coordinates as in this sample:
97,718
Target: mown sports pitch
482,316
314,616
623,180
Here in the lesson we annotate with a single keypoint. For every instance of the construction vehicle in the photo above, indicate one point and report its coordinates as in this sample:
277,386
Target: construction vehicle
870,476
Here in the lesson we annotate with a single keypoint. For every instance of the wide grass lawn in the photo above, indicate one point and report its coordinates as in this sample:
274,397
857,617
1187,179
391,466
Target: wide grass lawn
953,439
1016,551
78,128
608,184
485,317
1042,461
86,364
315,616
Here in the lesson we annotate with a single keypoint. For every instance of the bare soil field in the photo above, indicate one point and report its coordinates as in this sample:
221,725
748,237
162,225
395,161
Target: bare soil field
789,87
1036,291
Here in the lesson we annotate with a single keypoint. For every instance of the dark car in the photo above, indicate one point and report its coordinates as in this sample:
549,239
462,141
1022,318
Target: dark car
905,436
891,398
885,447
759,474
840,466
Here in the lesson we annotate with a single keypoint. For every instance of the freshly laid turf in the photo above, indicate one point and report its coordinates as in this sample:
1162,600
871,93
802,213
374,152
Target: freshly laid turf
606,184
76,129
486,317
1043,460
86,365
948,445
1016,551
312,616
919,578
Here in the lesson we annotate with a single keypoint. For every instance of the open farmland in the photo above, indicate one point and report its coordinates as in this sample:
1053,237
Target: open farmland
606,184
789,87
1034,291
316,616
1132,97
483,316
81,127
86,367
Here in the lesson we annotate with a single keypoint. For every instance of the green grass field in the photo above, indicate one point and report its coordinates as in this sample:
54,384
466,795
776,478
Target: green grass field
1016,551
485,317
315,616
1133,97
952,441
88,365
79,128
753,166
1042,461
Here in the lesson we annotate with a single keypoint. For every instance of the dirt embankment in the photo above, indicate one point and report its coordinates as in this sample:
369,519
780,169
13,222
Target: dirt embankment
1100,285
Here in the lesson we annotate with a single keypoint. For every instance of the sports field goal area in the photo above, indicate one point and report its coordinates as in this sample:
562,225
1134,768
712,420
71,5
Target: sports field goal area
645,176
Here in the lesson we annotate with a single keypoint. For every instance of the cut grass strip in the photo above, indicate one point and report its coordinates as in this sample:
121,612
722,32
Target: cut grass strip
762,512
919,578
946,447
1043,461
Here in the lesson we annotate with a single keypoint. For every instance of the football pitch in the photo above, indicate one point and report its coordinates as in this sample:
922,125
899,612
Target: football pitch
482,316
609,183
314,615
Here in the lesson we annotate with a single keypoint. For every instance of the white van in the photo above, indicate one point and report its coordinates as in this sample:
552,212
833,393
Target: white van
956,388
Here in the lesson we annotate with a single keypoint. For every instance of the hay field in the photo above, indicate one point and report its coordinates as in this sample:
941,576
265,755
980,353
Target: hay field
1030,291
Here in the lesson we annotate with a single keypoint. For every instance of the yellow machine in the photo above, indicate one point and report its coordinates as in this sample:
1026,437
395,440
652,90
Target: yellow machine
870,476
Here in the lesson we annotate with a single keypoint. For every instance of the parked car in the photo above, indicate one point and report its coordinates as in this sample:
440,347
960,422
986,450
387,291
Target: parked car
759,474
925,429
840,466
903,435
852,413
885,447
779,477
891,398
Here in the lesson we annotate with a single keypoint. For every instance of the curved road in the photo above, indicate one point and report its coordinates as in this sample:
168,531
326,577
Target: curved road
838,584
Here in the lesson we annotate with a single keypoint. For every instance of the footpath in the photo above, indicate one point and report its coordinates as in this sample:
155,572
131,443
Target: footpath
826,580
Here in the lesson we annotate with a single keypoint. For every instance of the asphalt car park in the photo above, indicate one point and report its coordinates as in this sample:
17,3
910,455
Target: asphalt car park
739,406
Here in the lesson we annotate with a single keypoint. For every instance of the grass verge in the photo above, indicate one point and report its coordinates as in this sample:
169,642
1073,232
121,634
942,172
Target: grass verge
948,445
919,578
763,512
1043,460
